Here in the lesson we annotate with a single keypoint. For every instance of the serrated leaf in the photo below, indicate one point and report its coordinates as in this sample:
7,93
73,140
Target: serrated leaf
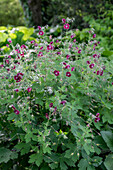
108,138
53,165
14,155
4,155
63,166
36,158
83,164
25,148
28,137
109,162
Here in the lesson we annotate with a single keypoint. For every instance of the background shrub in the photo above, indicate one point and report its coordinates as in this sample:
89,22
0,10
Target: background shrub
11,13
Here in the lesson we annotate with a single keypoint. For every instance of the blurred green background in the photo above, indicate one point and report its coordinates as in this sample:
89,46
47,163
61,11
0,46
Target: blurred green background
97,14
42,12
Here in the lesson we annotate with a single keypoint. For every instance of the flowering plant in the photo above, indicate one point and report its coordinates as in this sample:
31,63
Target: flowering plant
61,111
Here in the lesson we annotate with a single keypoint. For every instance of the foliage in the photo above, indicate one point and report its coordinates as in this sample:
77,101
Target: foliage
11,13
103,26
56,101
72,9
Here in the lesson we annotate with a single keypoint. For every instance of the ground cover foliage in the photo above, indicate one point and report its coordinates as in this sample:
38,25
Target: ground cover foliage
56,100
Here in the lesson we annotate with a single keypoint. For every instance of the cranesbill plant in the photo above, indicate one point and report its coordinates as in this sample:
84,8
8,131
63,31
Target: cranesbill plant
56,104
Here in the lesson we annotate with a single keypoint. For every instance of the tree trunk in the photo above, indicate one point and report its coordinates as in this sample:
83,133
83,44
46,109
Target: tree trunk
35,8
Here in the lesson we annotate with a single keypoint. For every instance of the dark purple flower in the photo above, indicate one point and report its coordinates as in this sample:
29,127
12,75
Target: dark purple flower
1,65
39,27
97,119
41,48
51,42
68,74
40,54
73,35
101,73
47,116
9,56
18,77
72,69
13,107
23,46
67,56
98,72
55,109
8,69
91,66
63,102
7,45
64,63
95,55
79,51
94,36
16,90
14,67
41,32
49,47
58,53
29,89
20,74
16,111
7,61
22,54
98,114
67,67
66,26
88,62
51,105
56,73
63,20
10,41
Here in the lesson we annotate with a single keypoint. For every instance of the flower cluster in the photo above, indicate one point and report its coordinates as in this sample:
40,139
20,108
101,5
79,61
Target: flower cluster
97,119
15,110
18,77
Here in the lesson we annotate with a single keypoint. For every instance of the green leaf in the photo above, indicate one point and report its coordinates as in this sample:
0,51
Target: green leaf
109,162
28,137
3,37
14,155
3,28
63,165
25,148
53,165
46,148
83,164
6,155
36,158
108,138
107,53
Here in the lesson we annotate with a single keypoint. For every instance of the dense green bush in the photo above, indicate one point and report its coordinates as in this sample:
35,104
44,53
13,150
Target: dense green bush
56,103
11,13
103,26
